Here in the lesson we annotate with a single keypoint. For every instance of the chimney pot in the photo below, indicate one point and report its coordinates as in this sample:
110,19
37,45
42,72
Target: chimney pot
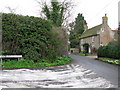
105,19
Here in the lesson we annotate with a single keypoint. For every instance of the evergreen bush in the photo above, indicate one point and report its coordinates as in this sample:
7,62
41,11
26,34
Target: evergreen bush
30,36
109,51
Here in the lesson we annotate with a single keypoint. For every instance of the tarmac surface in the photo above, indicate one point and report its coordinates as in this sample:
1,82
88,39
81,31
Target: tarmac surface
106,70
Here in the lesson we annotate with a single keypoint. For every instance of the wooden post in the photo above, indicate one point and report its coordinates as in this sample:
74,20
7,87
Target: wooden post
18,59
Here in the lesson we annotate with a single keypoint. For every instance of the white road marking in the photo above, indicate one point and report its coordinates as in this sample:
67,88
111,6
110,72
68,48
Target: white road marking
72,76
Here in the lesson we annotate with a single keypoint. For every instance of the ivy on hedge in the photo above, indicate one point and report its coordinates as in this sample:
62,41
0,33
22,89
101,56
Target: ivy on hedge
109,51
30,36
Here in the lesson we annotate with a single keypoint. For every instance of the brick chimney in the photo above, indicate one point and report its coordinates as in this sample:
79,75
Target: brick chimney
105,20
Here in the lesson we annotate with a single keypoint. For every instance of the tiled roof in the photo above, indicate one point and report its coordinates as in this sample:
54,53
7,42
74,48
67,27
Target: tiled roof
114,30
91,31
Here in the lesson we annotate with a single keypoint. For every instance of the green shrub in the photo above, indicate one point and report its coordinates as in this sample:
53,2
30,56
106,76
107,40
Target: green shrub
109,51
30,36
63,60
43,62
20,63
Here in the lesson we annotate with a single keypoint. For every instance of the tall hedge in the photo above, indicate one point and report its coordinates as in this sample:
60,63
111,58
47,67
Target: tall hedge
109,51
30,36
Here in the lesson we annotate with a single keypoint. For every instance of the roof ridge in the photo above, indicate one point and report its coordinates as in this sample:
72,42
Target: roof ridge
91,31
94,27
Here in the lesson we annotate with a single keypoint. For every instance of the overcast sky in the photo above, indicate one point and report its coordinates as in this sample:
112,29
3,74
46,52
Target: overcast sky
92,10
119,12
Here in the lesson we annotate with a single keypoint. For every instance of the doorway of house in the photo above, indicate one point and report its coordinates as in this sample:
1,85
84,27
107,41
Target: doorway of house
71,51
86,48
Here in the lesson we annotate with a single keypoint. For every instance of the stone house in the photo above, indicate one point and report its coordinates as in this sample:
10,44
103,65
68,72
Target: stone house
97,36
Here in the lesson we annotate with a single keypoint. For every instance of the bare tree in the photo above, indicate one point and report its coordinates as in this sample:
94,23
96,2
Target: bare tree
41,4
68,11
68,7
11,10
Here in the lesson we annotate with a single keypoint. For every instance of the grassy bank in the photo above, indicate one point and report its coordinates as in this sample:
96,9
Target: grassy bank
109,60
43,62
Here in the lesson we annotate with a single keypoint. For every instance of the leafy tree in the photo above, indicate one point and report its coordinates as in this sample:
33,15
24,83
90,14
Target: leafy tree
77,28
79,24
55,13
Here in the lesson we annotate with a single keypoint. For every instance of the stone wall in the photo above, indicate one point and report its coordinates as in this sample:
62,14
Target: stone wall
93,42
106,35
74,50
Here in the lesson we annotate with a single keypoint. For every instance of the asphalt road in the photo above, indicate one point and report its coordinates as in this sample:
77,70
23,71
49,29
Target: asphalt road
106,70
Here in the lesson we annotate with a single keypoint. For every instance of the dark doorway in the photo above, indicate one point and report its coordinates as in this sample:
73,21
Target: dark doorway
86,48
71,51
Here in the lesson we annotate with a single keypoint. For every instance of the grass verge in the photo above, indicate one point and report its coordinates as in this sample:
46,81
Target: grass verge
109,60
42,63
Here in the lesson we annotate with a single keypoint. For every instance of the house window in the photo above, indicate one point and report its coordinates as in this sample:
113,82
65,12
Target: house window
93,39
102,29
